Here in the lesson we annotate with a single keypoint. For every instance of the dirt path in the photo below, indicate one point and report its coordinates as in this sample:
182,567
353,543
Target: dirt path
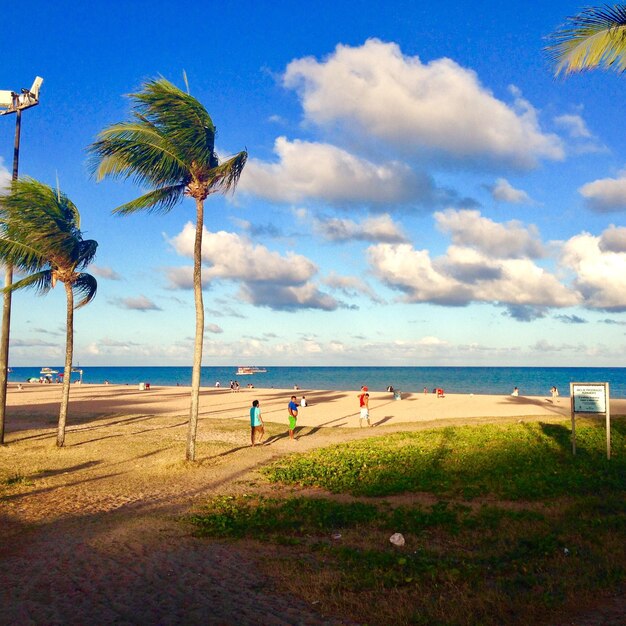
92,533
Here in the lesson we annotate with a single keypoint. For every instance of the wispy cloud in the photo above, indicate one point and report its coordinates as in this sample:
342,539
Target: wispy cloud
137,303
104,272
503,191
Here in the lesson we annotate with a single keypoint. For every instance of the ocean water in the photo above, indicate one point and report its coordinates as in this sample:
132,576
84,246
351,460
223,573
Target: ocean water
532,381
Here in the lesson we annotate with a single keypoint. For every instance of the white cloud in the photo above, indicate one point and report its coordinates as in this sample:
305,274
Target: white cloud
445,281
606,194
503,191
574,124
5,176
104,272
438,106
287,297
613,239
213,328
600,273
267,278
230,256
182,278
317,171
380,228
138,303
351,286
507,240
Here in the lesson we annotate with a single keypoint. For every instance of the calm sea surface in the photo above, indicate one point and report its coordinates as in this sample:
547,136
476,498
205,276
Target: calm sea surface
532,381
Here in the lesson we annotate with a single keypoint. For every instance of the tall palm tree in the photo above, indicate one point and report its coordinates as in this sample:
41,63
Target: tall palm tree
596,37
40,236
169,147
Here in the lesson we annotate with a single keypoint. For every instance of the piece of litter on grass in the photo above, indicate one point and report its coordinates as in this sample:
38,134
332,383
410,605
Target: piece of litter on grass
565,551
397,539
337,536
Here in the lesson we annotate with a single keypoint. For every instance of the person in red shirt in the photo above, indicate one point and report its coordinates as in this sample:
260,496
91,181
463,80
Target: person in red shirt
364,406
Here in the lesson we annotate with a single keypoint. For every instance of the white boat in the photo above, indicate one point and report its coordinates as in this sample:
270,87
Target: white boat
246,371
47,374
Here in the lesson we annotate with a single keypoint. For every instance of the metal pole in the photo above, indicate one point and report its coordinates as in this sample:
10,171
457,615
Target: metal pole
607,395
6,299
572,408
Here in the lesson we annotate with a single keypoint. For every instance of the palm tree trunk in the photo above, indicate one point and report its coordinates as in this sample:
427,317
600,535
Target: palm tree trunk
4,349
197,353
67,372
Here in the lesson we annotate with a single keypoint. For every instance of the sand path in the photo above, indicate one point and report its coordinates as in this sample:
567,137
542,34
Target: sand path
91,534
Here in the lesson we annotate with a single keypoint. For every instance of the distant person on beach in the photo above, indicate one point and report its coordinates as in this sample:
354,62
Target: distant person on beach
256,423
555,393
303,401
515,392
217,383
292,410
364,406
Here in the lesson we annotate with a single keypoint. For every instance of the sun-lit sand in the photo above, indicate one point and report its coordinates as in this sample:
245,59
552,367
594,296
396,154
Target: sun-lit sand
325,408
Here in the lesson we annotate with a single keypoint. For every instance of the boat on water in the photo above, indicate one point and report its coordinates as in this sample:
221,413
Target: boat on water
48,375
246,371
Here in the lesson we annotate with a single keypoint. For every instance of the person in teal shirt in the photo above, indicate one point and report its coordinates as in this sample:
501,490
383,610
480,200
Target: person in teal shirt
256,423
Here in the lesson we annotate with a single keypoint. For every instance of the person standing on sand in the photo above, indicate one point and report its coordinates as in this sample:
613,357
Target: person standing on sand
292,409
555,393
364,406
256,423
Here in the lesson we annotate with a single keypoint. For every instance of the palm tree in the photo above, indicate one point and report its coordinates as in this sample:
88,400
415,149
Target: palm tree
596,37
40,236
169,147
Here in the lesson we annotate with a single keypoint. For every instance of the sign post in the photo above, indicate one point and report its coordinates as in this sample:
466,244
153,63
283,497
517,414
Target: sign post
591,399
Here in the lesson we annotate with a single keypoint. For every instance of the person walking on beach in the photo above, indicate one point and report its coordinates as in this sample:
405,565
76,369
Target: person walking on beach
256,423
292,410
364,406
555,393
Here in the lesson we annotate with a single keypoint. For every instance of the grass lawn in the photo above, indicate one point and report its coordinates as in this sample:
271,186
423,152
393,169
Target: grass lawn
502,525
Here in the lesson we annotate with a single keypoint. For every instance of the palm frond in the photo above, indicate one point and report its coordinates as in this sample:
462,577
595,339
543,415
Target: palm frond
40,235
179,115
41,282
21,255
85,287
86,252
225,176
136,150
157,201
36,214
596,37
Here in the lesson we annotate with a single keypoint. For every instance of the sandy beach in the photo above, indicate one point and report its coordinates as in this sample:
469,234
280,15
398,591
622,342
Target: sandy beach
92,533
325,408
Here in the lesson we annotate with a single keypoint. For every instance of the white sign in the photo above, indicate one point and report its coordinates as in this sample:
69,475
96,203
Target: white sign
589,398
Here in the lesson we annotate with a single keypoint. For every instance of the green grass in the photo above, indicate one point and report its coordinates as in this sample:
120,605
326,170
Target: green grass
523,461
547,534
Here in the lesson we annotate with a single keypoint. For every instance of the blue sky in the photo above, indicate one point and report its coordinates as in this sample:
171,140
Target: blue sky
420,190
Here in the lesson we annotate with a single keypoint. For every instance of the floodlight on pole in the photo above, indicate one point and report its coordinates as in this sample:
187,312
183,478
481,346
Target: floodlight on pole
12,102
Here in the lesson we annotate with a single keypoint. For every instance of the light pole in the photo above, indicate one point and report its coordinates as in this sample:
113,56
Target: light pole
12,102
